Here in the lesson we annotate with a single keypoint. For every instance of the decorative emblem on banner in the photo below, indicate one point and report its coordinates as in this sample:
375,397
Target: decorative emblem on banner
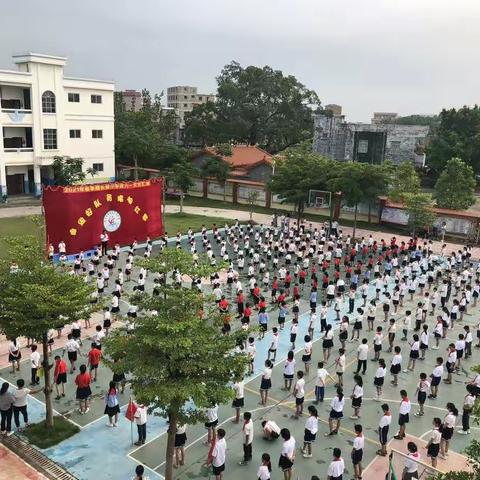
16,116
112,221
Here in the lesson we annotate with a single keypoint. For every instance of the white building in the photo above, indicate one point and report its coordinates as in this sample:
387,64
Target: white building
45,114
183,98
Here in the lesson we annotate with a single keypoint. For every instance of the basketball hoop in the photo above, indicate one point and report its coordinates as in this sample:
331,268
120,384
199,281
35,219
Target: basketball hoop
319,199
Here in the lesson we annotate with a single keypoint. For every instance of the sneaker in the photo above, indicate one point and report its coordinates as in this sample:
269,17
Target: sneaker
464,432
243,463
354,417
418,414
9,434
435,348
307,455
406,370
87,410
115,424
109,425
398,437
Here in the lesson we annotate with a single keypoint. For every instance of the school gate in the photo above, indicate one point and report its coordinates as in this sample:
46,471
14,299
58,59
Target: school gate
78,214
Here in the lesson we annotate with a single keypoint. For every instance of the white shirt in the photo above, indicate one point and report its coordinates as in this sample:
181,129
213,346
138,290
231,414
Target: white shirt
20,397
321,376
336,468
219,452
362,351
239,388
359,442
35,359
271,426
385,421
212,413
338,404
248,432
312,424
140,415
289,367
300,388
410,464
263,473
438,371
405,407
288,448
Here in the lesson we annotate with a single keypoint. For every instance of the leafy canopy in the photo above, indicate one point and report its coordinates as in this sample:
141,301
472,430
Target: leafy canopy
190,364
403,181
145,135
455,186
255,106
38,295
458,135
419,207
67,170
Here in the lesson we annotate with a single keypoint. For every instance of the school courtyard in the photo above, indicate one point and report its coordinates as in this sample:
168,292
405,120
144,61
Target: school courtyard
98,452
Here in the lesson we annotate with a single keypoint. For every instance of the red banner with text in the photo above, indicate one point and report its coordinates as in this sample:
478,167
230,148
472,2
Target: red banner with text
78,214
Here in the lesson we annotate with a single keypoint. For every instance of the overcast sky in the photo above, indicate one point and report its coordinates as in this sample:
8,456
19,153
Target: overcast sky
406,56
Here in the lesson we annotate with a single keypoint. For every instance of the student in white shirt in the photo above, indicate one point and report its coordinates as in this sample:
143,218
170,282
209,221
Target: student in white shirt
299,394
35,365
433,445
357,452
322,375
271,431
362,356
410,469
336,468
448,428
383,428
219,454
436,378
403,415
357,396
311,429
265,469
468,403
211,424
247,438
238,401
287,456
336,412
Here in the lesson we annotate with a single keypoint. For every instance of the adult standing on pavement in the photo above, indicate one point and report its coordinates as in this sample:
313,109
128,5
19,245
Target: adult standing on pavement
104,241
6,409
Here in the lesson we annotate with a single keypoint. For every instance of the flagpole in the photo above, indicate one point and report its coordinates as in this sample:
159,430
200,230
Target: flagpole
131,423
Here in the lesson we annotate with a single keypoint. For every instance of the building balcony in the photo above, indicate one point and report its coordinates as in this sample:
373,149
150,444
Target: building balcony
15,117
18,142
20,156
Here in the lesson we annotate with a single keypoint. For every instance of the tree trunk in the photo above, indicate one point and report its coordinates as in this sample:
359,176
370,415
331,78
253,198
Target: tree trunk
251,215
48,391
355,221
170,450
181,201
369,212
299,212
224,191
135,171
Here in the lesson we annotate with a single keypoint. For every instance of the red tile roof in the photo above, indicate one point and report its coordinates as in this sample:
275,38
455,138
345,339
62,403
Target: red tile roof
244,157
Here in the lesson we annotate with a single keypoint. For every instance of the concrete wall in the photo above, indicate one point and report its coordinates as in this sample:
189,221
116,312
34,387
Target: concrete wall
335,138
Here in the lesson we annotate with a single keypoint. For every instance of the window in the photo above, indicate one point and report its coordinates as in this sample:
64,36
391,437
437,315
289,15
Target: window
200,98
97,167
96,98
97,133
74,97
185,97
48,102
50,138
363,146
75,134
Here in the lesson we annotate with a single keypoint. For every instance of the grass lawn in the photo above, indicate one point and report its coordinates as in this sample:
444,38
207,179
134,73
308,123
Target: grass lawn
38,435
18,226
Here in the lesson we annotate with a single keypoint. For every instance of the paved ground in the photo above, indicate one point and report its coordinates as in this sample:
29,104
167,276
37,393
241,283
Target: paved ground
13,467
111,449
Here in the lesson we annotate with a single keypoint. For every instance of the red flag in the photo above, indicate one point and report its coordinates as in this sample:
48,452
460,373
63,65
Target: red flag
131,409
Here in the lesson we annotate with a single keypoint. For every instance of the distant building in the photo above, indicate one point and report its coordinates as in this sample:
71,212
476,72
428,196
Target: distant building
132,99
384,117
43,114
335,109
247,162
372,143
184,98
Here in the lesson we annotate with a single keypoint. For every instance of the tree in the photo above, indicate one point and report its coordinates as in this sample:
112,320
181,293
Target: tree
67,170
215,167
144,138
359,182
182,174
36,298
455,186
252,201
458,135
404,180
297,171
419,207
255,106
191,364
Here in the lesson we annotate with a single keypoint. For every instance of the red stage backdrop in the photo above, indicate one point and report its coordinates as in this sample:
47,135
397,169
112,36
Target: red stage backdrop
126,210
